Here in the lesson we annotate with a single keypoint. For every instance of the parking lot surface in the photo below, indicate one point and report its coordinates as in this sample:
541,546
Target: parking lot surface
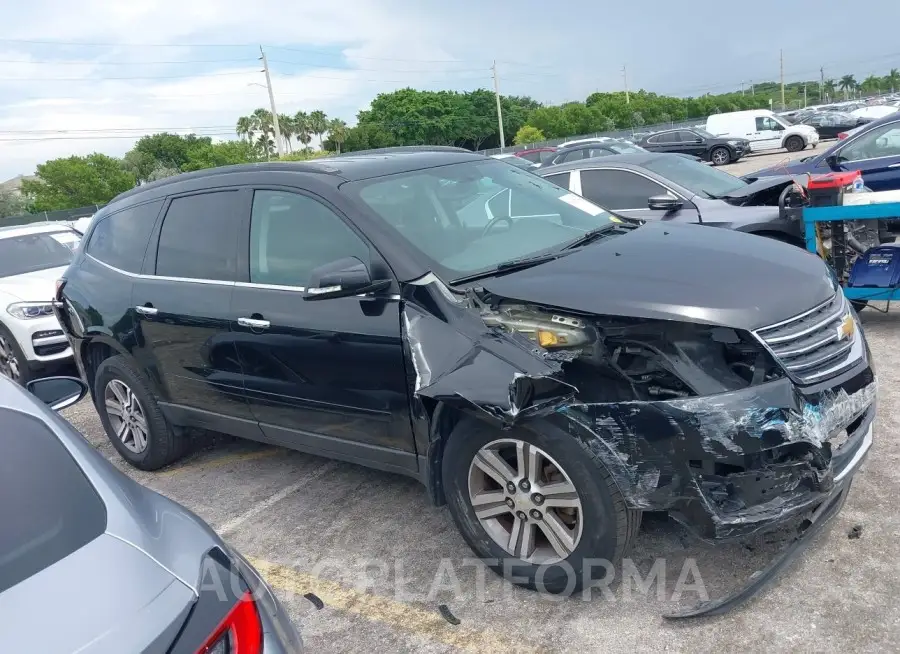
382,559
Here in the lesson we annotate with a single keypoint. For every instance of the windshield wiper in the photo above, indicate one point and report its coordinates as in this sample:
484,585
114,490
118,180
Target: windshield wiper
597,232
511,266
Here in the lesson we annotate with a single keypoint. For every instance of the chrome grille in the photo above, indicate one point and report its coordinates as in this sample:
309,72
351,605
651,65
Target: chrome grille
812,346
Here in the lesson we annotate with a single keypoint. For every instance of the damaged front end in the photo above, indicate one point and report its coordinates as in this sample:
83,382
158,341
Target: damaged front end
700,421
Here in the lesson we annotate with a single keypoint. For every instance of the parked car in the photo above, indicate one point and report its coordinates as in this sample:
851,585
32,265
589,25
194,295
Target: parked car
119,567
513,160
873,149
874,112
546,368
588,150
829,123
670,188
537,155
697,142
763,129
32,258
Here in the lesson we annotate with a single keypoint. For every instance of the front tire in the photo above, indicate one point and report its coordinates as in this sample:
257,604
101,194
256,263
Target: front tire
794,144
720,156
537,506
133,421
13,363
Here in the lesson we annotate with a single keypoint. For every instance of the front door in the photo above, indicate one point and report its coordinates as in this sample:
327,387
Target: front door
324,376
767,135
627,193
181,308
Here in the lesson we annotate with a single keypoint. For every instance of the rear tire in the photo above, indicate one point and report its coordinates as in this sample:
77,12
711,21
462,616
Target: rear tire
116,380
720,156
602,527
794,144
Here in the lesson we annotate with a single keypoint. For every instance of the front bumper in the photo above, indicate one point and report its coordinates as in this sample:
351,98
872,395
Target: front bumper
41,340
739,463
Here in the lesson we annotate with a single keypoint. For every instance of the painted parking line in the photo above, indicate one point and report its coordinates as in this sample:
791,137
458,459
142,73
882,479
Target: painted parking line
398,615
221,461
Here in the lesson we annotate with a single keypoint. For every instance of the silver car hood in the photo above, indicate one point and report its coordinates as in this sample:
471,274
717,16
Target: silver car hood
99,609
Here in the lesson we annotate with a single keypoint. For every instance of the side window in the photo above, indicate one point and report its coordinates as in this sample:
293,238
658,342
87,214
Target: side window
198,239
688,137
120,239
599,152
653,140
574,155
670,137
618,189
292,234
560,179
883,141
533,157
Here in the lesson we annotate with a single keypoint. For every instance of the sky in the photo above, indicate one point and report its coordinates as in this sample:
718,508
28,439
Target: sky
95,75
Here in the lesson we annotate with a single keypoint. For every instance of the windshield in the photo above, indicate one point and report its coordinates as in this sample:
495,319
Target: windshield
702,133
695,176
31,252
470,217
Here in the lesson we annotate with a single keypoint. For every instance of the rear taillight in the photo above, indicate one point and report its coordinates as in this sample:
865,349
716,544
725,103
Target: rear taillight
842,136
240,632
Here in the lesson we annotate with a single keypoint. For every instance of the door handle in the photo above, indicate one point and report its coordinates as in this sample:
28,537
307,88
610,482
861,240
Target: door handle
146,311
254,323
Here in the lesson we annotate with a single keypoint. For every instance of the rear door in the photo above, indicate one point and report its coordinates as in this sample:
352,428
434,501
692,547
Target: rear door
324,376
182,306
627,193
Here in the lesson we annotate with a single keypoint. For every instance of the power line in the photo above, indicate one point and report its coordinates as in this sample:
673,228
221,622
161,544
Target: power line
89,62
103,79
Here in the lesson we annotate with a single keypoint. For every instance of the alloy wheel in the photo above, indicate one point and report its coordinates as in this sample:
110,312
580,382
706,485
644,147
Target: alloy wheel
9,363
126,416
720,157
525,501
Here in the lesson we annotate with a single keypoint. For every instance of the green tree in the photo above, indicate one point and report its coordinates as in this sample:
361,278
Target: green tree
227,153
302,128
318,124
892,80
829,88
287,129
244,128
11,204
871,84
528,134
77,182
847,84
162,150
337,133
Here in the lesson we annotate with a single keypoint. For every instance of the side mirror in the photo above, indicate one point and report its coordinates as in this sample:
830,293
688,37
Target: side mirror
342,278
58,392
665,203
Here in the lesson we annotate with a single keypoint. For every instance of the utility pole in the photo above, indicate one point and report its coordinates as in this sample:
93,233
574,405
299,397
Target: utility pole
499,109
804,95
278,144
751,88
742,87
625,77
822,84
781,56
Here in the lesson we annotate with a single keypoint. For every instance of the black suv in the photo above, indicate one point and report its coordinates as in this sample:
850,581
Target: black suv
546,368
697,142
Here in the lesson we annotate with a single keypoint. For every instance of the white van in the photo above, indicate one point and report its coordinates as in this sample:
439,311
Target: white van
763,129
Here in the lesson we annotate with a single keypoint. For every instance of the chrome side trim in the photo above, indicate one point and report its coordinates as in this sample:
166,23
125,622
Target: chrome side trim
861,452
49,340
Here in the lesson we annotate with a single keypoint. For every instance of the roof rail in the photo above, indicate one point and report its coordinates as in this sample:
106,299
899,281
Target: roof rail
402,148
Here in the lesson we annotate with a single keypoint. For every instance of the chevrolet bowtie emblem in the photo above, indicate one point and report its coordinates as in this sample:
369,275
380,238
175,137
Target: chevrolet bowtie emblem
846,328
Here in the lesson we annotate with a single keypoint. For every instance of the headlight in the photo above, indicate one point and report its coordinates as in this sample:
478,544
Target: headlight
734,142
551,331
29,310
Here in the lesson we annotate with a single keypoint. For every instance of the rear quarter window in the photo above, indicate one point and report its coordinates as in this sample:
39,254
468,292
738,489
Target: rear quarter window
48,508
120,239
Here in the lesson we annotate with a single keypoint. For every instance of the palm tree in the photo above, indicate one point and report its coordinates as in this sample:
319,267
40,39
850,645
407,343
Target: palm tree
337,130
244,127
829,88
892,79
301,128
871,83
847,83
286,125
318,124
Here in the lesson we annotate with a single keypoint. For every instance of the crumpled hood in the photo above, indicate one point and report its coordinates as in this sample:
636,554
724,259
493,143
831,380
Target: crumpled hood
35,286
678,272
762,184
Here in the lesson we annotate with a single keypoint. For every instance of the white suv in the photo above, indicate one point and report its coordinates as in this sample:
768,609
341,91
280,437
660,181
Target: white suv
32,258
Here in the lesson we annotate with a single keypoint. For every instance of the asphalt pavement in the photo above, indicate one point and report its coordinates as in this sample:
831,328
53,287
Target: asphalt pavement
382,560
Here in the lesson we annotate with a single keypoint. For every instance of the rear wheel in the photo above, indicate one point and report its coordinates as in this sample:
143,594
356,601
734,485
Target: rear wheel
720,156
133,421
539,508
794,144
